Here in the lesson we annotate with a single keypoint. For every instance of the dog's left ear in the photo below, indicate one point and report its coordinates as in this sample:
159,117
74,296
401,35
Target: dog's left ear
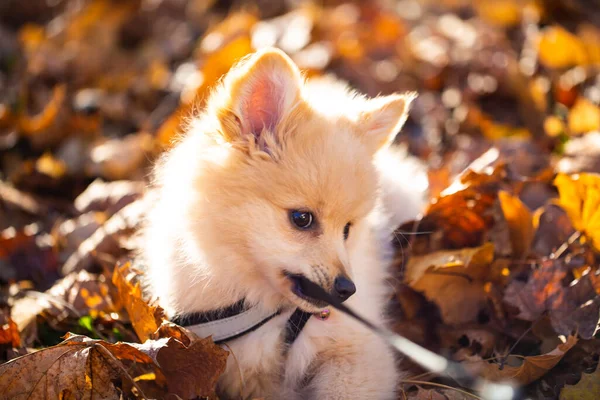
262,90
383,118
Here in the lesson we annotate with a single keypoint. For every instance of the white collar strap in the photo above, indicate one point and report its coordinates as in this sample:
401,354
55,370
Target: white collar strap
225,324
236,320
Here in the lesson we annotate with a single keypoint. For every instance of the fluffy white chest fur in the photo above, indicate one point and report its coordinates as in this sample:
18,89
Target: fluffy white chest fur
278,178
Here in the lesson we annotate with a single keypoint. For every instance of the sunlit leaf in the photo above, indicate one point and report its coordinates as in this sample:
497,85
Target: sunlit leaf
584,117
559,49
520,222
580,197
145,318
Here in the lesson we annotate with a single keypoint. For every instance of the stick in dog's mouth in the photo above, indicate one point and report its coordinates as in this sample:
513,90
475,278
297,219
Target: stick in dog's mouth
300,289
427,359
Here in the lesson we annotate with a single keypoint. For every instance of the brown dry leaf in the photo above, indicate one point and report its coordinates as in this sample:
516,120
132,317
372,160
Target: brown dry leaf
468,212
121,158
108,238
462,217
552,229
520,223
588,388
28,255
573,308
453,279
145,318
192,371
108,197
70,234
170,330
77,368
83,292
532,369
584,117
580,197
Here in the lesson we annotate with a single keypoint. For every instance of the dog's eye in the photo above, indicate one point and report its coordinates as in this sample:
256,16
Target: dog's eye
301,219
347,230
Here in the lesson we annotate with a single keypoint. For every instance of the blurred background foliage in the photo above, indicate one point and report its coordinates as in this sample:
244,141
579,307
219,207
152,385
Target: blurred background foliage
91,91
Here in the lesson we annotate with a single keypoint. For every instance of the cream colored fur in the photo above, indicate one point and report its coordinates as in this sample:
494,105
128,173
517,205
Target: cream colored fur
268,143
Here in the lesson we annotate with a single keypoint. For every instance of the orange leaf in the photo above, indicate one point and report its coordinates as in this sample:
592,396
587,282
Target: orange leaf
145,318
9,332
32,125
520,222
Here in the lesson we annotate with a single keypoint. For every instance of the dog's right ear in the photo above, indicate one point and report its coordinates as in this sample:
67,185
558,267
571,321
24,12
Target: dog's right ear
260,91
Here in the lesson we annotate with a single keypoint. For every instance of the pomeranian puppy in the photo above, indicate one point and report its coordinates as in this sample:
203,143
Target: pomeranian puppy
279,179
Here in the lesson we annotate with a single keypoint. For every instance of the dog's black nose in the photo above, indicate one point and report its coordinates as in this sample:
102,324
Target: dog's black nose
343,287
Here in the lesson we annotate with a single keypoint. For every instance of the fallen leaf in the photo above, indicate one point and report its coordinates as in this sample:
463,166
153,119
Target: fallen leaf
588,388
552,227
584,117
77,368
560,49
121,158
520,222
453,279
108,238
532,368
573,308
192,371
9,332
108,197
145,318
580,197
83,292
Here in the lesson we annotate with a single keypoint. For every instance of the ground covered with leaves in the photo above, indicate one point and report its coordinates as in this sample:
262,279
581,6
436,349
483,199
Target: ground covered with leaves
500,273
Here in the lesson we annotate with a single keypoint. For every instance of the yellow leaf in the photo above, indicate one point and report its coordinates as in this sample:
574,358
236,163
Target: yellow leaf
553,126
520,222
494,131
584,117
580,198
588,388
51,166
560,49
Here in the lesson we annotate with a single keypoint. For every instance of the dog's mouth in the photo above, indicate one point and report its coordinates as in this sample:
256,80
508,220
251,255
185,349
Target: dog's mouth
298,289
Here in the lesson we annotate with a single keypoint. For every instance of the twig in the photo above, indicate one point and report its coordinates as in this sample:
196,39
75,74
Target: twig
442,386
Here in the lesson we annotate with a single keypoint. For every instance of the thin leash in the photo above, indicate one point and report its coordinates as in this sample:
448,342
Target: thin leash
426,358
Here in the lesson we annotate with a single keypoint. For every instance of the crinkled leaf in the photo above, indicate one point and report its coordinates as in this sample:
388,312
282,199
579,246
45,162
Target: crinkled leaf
532,368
